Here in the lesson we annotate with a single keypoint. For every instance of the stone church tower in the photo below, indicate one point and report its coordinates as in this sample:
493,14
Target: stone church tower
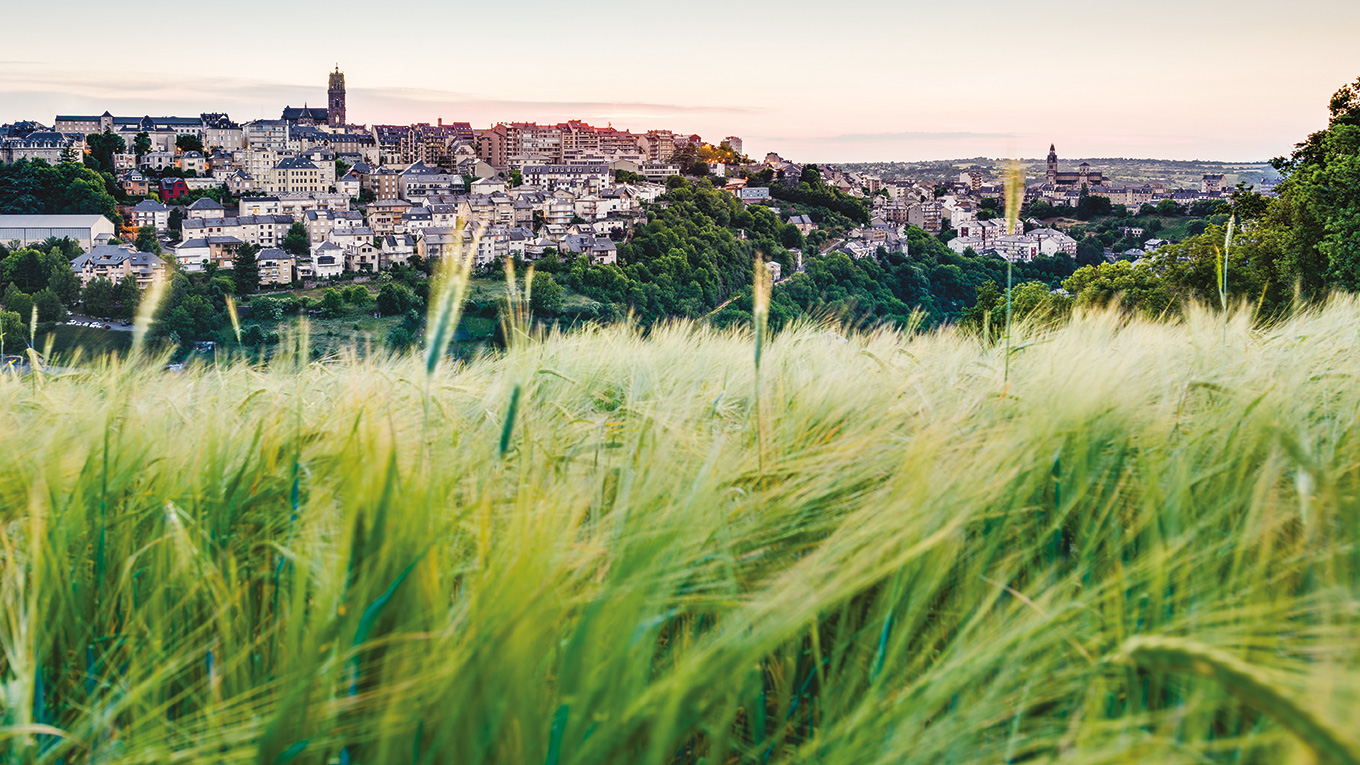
1052,177
336,109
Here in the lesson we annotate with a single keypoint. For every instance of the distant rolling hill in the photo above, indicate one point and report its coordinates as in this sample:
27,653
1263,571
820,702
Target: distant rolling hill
1122,171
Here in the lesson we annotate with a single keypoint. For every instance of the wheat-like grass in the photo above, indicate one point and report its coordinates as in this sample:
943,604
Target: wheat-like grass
575,550
446,299
1015,199
1187,657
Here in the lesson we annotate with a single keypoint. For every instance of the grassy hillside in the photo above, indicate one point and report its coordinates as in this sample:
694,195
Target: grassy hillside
601,548
361,328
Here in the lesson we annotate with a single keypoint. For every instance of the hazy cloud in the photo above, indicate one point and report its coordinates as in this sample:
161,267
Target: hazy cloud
433,96
909,136
23,77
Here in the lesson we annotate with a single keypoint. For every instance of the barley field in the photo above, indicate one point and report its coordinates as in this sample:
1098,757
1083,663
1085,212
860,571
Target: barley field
1137,542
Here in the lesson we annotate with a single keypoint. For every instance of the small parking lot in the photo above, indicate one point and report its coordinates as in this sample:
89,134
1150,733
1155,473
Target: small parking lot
85,321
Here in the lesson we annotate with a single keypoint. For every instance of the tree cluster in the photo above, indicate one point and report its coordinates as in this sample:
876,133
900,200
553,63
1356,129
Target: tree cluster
695,252
39,277
33,187
813,192
930,286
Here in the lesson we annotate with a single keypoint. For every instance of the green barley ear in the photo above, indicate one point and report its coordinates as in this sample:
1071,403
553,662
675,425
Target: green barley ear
32,324
515,320
1223,264
760,310
146,313
528,295
1247,683
34,360
1015,197
446,299
235,320
760,313
509,319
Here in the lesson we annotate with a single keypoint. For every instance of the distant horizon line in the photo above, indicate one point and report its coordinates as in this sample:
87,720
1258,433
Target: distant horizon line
1037,160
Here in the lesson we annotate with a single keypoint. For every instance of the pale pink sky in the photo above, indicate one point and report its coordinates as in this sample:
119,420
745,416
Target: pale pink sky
851,80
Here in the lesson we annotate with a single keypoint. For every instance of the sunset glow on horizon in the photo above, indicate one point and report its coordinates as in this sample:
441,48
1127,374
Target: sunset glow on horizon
874,81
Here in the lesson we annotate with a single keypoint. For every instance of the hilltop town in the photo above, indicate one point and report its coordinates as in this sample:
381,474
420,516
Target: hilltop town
373,196
310,201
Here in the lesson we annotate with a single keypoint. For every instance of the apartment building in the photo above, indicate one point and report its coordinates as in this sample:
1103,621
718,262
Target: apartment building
580,178
419,181
384,215
149,212
259,230
117,262
269,134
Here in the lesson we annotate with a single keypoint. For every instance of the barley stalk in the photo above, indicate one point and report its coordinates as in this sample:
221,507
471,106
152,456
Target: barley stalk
1015,198
146,313
446,300
1247,683
760,313
235,320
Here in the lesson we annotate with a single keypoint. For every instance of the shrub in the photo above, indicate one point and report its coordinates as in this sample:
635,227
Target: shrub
332,303
358,295
267,308
395,299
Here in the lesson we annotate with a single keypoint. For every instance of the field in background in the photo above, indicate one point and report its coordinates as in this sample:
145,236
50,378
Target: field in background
358,327
67,340
1121,171
603,548
1173,228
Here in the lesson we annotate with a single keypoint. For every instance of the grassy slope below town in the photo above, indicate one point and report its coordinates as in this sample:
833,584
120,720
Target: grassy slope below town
355,327
66,340
605,548
358,327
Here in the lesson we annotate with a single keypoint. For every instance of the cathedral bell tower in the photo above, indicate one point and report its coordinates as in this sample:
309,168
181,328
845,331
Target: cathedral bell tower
1052,177
335,116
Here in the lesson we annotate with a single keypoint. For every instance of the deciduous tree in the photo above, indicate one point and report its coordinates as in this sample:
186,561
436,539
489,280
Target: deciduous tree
49,305
189,143
64,282
98,298
102,148
17,300
332,302
147,241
